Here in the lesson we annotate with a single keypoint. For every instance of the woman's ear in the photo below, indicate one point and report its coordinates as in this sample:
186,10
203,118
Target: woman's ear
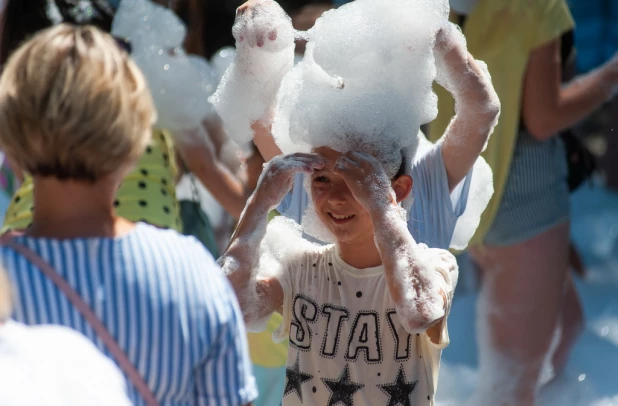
402,187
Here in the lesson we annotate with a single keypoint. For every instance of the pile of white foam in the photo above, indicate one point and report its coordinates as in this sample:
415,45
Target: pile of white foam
365,81
180,83
250,84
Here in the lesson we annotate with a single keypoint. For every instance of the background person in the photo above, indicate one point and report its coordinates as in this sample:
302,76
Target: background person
78,125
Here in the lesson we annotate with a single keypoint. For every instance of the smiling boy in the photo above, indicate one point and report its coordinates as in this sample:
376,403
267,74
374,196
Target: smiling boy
366,316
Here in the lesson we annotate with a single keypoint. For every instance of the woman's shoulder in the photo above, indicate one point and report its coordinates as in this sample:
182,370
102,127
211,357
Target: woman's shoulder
169,242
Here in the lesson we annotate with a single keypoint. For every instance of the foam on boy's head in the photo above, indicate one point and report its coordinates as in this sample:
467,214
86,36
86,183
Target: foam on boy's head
366,80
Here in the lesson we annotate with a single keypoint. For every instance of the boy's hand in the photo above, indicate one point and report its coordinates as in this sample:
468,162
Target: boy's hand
258,23
366,179
452,57
278,175
477,105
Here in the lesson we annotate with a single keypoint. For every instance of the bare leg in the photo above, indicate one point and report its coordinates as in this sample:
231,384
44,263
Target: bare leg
519,307
571,323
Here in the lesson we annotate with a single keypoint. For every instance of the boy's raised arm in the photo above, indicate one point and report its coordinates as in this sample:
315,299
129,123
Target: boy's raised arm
420,280
259,296
477,106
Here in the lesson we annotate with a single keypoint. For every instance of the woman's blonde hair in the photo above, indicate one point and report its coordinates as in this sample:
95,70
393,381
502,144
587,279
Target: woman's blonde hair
6,298
73,105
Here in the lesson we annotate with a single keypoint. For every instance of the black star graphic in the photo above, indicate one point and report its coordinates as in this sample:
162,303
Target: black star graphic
294,379
342,390
399,392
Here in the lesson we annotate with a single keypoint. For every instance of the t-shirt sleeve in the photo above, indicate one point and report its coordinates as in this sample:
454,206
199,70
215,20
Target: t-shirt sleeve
294,203
435,210
226,377
552,19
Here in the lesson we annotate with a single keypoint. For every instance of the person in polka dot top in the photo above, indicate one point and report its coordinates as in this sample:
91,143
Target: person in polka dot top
147,193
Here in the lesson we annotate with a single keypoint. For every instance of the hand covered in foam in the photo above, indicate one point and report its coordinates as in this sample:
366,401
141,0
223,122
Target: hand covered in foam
468,80
366,179
444,263
258,24
278,175
451,55
265,54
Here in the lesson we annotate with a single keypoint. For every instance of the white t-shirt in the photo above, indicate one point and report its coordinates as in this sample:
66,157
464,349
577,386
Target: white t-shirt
55,366
347,345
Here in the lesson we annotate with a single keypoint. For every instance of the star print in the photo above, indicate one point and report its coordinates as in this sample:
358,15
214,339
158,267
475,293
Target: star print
294,379
342,390
399,392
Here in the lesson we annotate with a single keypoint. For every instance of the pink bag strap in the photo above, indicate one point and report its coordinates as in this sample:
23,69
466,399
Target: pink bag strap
100,329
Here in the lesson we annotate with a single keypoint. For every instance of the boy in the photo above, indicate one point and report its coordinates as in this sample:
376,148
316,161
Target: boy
442,172
367,315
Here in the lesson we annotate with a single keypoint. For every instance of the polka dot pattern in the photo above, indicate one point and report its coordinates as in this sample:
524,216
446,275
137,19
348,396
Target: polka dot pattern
147,194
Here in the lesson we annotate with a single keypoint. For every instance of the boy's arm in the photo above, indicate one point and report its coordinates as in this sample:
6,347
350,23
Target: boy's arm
477,106
418,278
258,296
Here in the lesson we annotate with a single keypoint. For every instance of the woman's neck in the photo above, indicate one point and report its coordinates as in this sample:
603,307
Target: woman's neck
71,209
361,253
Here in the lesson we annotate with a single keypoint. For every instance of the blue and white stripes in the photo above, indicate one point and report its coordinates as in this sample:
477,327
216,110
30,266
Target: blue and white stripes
161,296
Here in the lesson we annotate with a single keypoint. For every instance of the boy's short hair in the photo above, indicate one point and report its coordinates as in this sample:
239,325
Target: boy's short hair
73,105
6,298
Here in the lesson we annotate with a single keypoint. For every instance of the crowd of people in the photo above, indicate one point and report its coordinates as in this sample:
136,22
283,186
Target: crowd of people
150,256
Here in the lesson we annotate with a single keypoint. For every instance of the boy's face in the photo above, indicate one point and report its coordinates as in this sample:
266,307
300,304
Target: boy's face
335,205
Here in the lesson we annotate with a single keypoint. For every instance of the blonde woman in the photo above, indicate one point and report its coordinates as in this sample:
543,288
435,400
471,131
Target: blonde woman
148,192
76,114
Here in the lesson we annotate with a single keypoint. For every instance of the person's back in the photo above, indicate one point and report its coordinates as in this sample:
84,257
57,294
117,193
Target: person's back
160,295
76,114
52,365
55,366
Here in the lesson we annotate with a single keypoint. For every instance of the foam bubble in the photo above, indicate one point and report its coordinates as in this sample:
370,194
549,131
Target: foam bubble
222,60
265,53
365,82
282,245
180,84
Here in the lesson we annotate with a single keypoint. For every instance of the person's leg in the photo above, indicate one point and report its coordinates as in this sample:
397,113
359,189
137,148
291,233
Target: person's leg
571,325
519,307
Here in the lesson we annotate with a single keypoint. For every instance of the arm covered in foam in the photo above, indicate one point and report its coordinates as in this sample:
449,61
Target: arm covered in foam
265,54
259,292
258,297
477,106
420,280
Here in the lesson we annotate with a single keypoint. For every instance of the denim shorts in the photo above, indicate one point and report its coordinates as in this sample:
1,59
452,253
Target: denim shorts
536,195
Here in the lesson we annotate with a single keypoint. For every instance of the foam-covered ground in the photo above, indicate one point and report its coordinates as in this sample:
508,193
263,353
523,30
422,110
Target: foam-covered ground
591,377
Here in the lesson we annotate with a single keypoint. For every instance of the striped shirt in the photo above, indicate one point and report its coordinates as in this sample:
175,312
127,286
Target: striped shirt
161,296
